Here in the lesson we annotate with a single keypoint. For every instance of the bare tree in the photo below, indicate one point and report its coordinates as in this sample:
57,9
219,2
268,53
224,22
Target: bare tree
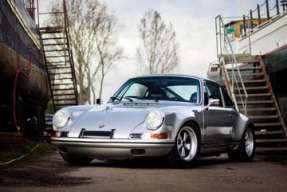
94,41
158,52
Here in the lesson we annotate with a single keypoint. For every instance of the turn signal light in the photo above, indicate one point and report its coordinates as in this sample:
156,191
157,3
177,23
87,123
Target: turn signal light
55,134
159,136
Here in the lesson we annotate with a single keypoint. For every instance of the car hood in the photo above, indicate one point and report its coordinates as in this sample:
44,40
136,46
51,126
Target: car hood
123,118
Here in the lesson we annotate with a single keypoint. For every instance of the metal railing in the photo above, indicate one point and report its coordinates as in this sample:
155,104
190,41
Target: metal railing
224,49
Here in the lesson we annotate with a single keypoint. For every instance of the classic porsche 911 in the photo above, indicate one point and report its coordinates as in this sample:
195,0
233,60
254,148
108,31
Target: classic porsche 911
180,117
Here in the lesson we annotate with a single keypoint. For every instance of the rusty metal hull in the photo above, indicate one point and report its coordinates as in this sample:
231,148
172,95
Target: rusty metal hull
32,81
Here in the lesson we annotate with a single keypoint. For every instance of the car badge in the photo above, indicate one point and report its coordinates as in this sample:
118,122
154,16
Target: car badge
101,126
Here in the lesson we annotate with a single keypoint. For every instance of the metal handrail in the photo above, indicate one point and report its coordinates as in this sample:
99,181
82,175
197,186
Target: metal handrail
220,37
67,30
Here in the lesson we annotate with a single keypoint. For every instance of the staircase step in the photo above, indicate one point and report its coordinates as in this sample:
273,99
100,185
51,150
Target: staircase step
256,102
259,109
61,73
65,94
250,68
55,50
56,84
280,150
56,67
242,58
264,117
66,99
269,132
64,89
62,78
54,44
246,68
59,62
256,95
270,140
53,38
249,74
252,88
254,81
49,30
267,124
53,56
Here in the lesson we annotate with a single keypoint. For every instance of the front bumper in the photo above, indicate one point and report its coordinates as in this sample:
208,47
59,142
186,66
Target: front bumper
113,148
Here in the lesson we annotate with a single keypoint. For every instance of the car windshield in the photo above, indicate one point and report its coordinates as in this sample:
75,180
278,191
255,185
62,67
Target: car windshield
160,88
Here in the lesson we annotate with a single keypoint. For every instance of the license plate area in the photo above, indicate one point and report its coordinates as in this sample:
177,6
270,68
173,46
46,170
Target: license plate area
97,134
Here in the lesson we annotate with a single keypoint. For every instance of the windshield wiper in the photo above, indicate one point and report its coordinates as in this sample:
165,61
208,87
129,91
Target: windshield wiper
120,98
116,98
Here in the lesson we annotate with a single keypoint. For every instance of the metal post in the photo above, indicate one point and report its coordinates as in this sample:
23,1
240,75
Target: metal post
284,4
277,7
251,20
267,9
244,24
38,14
259,16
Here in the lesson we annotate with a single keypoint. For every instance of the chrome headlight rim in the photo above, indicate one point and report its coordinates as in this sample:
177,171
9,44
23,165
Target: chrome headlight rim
154,119
61,118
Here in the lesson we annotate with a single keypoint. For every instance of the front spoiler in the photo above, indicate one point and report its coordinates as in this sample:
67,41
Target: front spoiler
113,148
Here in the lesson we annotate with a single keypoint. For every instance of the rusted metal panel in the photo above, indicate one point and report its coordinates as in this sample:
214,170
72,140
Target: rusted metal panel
34,83
18,31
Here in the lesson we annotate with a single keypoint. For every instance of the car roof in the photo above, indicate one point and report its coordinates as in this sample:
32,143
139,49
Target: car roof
176,75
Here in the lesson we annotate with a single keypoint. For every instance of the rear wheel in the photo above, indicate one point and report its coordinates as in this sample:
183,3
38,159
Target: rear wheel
186,147
246,150
75,159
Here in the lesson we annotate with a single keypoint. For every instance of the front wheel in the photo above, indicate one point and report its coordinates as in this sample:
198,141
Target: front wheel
75,159
186,147
246,149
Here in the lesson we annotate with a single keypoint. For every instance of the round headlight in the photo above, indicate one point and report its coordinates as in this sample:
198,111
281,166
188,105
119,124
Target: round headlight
61,118
154,120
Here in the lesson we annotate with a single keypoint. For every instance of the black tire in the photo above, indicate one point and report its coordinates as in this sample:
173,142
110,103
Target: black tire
186,148
246,150
75,159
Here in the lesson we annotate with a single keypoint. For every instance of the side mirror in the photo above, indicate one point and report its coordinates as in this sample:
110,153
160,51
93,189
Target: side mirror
213,102
99,101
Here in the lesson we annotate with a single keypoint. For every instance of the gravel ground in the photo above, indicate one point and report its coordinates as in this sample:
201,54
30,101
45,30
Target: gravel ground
51,173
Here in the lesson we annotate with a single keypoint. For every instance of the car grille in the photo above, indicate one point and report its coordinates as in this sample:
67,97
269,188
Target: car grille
97,134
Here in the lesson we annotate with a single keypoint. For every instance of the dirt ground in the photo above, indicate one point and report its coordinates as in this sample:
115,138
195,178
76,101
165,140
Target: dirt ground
51,173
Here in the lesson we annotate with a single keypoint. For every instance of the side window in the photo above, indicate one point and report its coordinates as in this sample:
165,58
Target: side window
213,91
228,102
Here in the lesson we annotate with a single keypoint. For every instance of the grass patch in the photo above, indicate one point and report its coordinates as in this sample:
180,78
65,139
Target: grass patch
41,148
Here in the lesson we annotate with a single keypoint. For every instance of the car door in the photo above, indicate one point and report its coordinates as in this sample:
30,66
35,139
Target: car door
218,120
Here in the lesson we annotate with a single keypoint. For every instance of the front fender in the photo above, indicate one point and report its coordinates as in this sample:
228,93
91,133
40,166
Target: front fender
242,122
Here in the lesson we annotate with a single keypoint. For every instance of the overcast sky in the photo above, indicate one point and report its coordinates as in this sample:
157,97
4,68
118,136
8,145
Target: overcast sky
193,21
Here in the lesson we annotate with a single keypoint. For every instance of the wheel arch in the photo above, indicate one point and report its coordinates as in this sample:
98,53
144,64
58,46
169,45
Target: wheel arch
191,123
241,125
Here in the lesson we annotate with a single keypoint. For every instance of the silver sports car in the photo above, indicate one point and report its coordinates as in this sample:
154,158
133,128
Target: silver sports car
180,117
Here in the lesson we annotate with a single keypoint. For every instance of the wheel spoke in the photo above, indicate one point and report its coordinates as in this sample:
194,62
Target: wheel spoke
180,146
188,146
185,136
246,136
182,152
179,138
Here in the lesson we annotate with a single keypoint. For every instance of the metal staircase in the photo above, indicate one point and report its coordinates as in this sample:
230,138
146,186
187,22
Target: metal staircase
247,82
261,105
58,57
